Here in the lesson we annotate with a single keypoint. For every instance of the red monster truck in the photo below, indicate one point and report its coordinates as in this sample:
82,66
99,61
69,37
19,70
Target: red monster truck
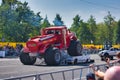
53,45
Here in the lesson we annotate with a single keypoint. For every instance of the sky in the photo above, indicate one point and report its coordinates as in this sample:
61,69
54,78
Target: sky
69,8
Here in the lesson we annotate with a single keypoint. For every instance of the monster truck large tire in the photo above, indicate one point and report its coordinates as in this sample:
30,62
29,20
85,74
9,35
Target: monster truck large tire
75,48
52,56
26,59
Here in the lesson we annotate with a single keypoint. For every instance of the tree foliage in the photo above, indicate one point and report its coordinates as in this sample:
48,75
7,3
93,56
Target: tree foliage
76,24
92,27
85,35
58,21
101,33
109,19
18,21
76,21
92,24
90,32
117,33
45,23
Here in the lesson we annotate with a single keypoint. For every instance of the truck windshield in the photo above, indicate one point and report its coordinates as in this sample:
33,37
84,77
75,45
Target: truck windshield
53,32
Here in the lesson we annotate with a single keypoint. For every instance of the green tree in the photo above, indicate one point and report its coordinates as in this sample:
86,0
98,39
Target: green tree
84,33
117,33
76,24
7,18
101,34
18,21
10,2
58,21
109,20
92,26
27,15
45,23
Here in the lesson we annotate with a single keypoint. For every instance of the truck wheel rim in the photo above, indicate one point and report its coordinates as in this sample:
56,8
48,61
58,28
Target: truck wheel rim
57,57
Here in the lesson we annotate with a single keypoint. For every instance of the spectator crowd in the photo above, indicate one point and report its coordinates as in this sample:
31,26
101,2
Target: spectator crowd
10,50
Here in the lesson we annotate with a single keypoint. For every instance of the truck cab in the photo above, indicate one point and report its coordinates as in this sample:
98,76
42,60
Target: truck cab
63,36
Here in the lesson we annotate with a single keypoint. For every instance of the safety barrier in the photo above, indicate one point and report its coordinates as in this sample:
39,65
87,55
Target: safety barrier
71,74
11,43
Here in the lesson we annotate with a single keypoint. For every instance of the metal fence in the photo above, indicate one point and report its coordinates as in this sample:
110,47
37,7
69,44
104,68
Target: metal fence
70,74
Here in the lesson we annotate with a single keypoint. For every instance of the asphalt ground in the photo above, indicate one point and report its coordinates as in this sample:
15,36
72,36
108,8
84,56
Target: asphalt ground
12,67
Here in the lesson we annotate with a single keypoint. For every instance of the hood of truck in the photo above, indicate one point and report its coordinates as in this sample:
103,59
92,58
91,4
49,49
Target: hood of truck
34,44
45,37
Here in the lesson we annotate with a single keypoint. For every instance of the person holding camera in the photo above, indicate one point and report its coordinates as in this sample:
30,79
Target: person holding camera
111,73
